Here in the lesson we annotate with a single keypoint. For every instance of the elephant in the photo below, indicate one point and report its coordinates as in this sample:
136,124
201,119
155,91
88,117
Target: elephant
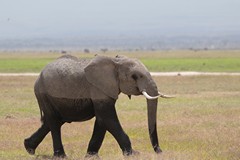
71,89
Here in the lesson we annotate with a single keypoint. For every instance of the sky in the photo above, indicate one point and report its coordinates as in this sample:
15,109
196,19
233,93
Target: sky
63,18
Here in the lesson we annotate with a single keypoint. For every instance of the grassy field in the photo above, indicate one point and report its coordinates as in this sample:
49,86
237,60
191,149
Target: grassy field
161,61
203,122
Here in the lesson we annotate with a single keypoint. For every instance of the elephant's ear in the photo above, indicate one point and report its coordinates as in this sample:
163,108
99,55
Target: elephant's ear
101,73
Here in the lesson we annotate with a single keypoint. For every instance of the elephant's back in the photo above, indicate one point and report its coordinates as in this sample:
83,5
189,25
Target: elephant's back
69,64
81,63
64,77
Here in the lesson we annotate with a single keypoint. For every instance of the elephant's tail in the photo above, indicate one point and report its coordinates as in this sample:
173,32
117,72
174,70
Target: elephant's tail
40,104
41,114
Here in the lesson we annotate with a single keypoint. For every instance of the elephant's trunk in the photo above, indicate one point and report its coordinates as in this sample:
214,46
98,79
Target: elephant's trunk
151,94
152,124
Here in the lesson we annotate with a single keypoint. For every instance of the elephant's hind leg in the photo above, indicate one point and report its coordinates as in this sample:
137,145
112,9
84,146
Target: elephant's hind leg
55,127
32,142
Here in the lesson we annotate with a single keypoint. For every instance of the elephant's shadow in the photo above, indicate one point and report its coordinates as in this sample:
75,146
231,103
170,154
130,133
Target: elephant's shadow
49,157
44,157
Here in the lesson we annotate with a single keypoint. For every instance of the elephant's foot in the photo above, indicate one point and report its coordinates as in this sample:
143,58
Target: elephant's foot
29,147
157,150
60,154
92,156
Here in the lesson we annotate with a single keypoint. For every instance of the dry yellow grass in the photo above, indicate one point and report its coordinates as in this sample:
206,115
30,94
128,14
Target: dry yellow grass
203,122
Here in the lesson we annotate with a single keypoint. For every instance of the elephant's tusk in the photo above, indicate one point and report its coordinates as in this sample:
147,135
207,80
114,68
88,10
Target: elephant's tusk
165,96
149,97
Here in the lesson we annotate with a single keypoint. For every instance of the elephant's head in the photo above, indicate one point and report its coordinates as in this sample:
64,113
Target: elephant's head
129,76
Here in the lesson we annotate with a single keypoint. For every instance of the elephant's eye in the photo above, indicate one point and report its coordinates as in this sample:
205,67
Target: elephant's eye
134,76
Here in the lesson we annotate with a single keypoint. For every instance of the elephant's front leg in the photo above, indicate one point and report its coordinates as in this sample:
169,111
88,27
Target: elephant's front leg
96,140
106,115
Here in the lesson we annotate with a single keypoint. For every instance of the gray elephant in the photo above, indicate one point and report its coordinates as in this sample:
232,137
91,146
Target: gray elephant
71,89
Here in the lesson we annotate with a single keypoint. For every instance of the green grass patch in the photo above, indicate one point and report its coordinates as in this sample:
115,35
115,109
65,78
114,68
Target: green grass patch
158,61
158,65
23,65
193,64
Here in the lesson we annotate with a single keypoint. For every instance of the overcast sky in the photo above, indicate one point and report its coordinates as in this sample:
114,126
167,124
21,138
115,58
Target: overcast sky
49,18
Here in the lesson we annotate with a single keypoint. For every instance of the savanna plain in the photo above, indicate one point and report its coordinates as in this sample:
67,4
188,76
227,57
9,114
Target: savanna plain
202,122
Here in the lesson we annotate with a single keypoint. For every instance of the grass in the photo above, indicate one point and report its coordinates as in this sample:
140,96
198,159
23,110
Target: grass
24,62
23,65
193,64
203,122
161,61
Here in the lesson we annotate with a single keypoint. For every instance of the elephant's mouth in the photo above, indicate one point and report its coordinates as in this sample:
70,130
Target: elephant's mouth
135,91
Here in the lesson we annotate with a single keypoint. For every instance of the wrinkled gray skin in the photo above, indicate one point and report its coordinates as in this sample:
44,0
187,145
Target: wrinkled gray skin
71,89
